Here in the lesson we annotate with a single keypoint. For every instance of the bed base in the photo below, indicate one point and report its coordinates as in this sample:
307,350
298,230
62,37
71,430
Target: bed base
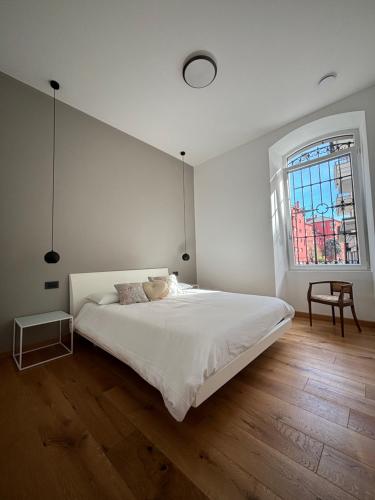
222,376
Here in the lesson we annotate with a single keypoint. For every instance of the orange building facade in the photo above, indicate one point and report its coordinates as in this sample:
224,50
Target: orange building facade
316,241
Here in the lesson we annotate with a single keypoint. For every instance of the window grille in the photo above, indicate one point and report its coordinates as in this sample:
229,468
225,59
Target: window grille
322,203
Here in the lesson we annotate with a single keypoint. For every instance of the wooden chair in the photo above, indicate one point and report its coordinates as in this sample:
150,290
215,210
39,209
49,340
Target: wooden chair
343,299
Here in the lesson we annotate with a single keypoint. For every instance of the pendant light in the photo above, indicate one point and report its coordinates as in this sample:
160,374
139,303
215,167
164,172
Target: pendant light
53,257
185,255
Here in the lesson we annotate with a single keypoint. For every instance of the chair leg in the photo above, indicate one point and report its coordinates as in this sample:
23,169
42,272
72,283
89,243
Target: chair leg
355,318
342,321
310,316
333,315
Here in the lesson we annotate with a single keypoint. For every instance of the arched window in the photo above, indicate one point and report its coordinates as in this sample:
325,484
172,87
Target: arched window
321,184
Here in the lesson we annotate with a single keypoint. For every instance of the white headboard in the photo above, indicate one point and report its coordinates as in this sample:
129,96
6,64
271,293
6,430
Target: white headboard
81,285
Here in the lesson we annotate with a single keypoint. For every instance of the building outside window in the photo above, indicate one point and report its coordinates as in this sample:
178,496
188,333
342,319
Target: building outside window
322,202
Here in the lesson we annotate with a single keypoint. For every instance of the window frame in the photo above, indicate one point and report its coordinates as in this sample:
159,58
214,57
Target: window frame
357,176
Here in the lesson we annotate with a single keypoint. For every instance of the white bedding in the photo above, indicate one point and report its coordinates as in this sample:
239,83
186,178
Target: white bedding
176,343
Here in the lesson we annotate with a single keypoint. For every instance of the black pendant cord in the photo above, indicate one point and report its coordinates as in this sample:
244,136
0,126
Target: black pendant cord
52,257
183,189
53,165
185,255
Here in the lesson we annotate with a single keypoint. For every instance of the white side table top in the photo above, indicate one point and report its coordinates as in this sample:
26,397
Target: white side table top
41,319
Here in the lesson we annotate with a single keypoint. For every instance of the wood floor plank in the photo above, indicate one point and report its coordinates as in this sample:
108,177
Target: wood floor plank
323,331
334,345
341,397
27,474
326,409
136,457
148,473
293,359
212,472
347,441
370,391
308,350
353,477
299,375
80,389
337,382
284,476
287,440
271,370
255,457
302,351
68,443
362,423
14,398
87,426
362,365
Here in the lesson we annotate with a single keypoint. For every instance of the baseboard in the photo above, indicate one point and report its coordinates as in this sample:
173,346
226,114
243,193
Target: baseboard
324,317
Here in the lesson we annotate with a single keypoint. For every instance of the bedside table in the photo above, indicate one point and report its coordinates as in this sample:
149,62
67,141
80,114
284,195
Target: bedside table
41,319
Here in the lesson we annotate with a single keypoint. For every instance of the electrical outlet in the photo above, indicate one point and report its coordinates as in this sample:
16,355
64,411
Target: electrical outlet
51,284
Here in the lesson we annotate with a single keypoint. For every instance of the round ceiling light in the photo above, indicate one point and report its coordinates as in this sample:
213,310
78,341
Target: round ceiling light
328,78
199,71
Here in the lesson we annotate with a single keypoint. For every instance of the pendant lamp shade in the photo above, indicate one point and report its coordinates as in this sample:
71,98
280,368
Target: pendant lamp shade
52,257
185,255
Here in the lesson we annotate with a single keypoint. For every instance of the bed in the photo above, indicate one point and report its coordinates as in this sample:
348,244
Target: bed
186,346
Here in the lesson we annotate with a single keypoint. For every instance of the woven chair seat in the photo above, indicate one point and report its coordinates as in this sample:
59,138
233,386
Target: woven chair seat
332,299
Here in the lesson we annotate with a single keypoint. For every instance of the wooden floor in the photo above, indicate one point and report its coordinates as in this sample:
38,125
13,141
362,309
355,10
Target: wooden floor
298,423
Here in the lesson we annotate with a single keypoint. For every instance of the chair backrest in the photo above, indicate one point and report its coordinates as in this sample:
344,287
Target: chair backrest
336,286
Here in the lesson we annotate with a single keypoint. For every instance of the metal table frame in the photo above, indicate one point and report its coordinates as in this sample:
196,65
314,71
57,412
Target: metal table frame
35,320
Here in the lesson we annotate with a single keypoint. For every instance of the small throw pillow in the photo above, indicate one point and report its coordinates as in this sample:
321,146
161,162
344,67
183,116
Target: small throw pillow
131,293
156,290
103,298
184,286
171,281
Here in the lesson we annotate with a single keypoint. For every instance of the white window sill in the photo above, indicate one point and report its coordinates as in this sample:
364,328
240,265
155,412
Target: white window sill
343,268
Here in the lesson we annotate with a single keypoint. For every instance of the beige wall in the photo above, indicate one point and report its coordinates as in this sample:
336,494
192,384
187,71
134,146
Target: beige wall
233,217
118,203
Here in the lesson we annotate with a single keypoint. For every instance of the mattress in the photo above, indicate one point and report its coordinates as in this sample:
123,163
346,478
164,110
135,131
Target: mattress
176,343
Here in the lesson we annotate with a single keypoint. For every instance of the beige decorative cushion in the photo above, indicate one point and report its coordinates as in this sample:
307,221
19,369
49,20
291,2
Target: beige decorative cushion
171,281
156,290
131,293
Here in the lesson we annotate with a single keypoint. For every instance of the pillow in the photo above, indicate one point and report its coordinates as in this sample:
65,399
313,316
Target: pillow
103,298
131,293
184,286
171,281
156,290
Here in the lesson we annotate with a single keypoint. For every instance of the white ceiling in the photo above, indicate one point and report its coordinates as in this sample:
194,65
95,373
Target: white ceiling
121,60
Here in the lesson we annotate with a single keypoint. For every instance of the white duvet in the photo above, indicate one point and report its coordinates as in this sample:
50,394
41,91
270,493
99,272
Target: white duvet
176,343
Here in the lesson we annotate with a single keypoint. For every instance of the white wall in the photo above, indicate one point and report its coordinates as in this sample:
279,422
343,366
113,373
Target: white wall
234,240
